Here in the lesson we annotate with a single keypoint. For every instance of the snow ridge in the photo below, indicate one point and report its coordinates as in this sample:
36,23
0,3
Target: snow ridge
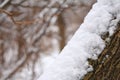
86,43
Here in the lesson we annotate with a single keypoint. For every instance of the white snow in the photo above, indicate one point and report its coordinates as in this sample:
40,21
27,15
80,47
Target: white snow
71,63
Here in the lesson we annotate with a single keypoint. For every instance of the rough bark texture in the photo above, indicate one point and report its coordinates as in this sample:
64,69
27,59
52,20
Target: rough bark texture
107,66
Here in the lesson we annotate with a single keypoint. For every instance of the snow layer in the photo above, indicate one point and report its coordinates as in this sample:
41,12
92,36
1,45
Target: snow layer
72,62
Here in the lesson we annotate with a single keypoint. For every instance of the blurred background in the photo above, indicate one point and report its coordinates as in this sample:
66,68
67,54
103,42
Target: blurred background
33,32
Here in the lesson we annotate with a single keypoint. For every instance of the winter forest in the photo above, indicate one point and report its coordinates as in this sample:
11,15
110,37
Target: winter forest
59,39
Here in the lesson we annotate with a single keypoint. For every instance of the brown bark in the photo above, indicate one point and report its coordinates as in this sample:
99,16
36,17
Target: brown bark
107,66
61,26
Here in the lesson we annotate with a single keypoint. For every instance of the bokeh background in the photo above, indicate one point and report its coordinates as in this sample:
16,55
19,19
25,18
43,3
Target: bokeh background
33,32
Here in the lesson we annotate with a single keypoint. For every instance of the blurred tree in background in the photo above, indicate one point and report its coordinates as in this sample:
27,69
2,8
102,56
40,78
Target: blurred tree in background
33,30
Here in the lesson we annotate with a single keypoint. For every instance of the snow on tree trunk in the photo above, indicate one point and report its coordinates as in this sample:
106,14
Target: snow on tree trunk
107,66
87,43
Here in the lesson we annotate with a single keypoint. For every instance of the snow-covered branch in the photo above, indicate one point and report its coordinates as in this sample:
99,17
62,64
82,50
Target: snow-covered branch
4,3
87,43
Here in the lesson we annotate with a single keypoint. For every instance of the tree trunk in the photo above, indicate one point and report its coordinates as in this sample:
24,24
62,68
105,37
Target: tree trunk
61,25
107,66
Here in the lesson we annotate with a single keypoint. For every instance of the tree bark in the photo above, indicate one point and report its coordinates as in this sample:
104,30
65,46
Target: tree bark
61,25
107,66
